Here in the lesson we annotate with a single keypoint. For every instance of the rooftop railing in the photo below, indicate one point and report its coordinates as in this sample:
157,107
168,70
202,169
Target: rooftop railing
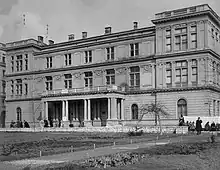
183,11
24,42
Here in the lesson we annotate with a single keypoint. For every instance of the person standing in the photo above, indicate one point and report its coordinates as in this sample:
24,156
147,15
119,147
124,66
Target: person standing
198,126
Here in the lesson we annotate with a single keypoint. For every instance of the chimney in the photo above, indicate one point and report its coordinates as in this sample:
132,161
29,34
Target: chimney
135,25
51,42
71,37
108,30
84,35
40,38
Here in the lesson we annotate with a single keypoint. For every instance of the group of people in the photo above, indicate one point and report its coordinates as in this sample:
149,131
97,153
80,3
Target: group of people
19,124
51,123
198,126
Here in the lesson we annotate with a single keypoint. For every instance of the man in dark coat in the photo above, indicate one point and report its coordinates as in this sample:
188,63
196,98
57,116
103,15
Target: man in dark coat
198,126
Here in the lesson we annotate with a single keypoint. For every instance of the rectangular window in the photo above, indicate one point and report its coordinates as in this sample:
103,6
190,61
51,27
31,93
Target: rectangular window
88,79
68,81
181,72
135,77
26,88
49,83
19,63
68,59
49,62
26,61
3,73
194,77
19,87
110,77
168,74
3,86
110,52
88,56
168,40
3,58
12,63
193,36
12,87
181,39
218,108
134,49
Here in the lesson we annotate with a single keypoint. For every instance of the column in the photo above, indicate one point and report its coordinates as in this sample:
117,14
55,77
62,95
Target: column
98,109
46,110
164,74
122,109
118,110
95,110
85,109
153,76
89,109
76,110
109,109
63,110
113,109
67,111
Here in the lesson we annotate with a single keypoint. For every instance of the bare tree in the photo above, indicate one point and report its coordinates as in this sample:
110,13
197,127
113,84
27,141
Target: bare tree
157,110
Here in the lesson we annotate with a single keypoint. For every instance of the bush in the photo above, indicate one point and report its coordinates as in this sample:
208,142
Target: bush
135,133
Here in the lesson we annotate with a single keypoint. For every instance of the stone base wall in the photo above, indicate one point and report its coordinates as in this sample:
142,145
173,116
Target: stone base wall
147,129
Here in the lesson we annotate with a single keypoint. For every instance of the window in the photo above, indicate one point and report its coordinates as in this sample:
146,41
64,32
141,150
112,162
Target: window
194,77
193,36
214,71
168,40
3,73
182,107
49,62
18,114
19,63
218,108
18,87
49,83
212,32
110,53
68,60
26,61
88,56
168,74
181,72
88,79
134,49
134,111
181,39
12,63
3,58
68,81
110,77
12,87
26,88
135,77
3,86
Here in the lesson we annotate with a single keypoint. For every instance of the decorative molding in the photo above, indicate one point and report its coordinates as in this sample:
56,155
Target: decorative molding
28,78
98,73
77,75
121,70
147,68
39,79
57,76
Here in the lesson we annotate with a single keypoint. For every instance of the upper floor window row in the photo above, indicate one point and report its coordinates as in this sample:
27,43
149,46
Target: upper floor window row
183,39
19,63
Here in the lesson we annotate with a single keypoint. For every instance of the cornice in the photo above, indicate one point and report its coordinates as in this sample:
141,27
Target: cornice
7,49
26,99
90,44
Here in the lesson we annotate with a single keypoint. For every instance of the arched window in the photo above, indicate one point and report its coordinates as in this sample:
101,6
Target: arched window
134,110
182,107
19,114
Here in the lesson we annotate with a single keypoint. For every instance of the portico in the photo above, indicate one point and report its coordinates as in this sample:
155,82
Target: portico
100,111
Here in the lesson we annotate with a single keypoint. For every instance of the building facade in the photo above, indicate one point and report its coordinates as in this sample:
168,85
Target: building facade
104,80
3,86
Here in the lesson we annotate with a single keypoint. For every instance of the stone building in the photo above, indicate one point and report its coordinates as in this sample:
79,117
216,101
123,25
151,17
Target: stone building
104,80
2,86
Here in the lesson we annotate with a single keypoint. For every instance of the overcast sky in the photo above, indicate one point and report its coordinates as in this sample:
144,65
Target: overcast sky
65,17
